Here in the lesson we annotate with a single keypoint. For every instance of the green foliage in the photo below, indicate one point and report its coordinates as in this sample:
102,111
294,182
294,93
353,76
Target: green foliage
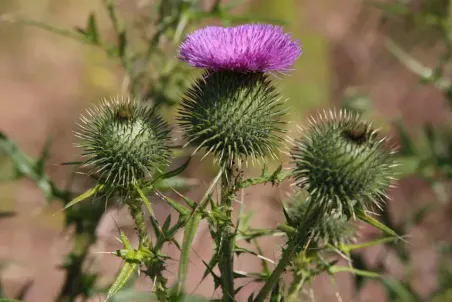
236,116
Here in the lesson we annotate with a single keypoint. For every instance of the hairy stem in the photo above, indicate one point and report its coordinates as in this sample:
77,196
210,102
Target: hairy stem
300,240
286,257
140,225
226,262
295,287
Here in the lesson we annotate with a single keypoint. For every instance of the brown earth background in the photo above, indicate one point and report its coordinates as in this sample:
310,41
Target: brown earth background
46,81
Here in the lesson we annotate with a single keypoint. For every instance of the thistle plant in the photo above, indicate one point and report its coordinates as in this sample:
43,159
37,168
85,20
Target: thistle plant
233,110
340,166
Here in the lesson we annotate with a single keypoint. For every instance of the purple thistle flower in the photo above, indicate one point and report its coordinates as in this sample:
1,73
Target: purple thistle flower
245,48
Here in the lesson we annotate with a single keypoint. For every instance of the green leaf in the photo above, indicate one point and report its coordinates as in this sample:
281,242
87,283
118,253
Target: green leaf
166,224
9,300
337,269
85,195
176,171
183,211
146,201
189,235
91,29
408,148
156,227
125,241
174,183
350,247
40,164
126,271
122,44
375,223
399,290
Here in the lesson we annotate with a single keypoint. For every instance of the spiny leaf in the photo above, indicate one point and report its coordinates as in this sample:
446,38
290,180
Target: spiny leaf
350,247
375,223
209,266
400,290
177,206
26,166
125,241
175,183
189,235
166,224
156,227
85,195
145,199
337,269
174,172
126,271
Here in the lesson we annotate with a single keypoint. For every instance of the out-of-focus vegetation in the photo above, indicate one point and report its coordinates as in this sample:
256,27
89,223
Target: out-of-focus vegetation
415,35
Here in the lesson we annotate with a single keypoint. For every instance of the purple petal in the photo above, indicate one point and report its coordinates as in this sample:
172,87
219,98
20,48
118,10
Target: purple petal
245,48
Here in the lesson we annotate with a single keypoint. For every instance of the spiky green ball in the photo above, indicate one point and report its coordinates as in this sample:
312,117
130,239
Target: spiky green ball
234,115
124,141
333,227
342,163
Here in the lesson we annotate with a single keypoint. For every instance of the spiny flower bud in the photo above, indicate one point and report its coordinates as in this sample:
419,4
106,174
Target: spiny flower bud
342,163
124,141
333,228
233,115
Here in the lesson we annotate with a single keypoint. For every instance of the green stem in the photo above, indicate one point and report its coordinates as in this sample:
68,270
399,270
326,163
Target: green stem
295,287
226,262
295,243
276,275
140,225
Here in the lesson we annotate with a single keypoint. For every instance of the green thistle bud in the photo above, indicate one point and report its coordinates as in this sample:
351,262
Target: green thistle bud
233,115
334,227
342,164
124,141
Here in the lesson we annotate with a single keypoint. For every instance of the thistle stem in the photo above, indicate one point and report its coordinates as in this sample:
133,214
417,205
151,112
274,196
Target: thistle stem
226,261
140,225
295,243
276,275
295,287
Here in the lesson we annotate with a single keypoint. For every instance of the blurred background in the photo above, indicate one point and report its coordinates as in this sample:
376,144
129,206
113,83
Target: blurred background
357,54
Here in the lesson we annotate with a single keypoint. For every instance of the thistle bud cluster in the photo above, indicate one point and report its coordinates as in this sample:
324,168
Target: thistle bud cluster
234,112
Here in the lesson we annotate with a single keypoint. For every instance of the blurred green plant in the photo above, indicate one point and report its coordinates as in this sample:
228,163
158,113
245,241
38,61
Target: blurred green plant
426,155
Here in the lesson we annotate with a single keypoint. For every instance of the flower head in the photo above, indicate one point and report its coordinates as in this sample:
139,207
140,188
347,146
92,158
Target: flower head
123,141
245,48
235,116
342,163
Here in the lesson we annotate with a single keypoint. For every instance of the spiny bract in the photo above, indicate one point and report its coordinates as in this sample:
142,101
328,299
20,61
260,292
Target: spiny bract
124,141
233,115
333,227
342,163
